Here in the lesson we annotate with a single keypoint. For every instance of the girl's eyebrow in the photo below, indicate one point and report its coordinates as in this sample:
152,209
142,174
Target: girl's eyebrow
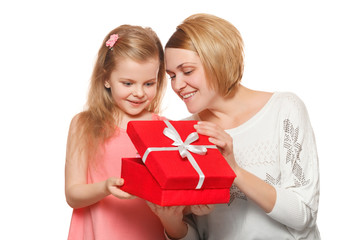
131,80
150,80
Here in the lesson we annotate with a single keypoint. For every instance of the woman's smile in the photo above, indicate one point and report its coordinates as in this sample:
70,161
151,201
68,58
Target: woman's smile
187,95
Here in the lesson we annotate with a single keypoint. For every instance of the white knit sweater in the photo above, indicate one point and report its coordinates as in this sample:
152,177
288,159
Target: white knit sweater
278,146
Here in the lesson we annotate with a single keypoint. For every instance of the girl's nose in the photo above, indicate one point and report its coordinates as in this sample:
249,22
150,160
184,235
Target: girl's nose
138,92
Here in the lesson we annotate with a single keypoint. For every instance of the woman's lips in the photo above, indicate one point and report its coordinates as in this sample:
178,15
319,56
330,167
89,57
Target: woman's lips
187,95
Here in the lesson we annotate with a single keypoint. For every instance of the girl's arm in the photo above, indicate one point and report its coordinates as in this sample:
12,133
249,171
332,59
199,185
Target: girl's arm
78,192
253,187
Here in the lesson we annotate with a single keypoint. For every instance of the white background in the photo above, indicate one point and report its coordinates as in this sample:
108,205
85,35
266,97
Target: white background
47,50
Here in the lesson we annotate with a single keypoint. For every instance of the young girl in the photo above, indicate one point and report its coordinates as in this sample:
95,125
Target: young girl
127,84
268,141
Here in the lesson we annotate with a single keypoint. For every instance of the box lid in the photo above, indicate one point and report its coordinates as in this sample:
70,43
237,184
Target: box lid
158,143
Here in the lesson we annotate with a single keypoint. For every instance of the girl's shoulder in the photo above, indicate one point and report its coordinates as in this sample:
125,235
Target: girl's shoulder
75,121
79,119
157,117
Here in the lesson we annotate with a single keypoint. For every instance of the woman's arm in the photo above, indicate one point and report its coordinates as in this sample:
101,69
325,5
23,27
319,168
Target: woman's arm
295,202
172,220
176,219
253,187
298,195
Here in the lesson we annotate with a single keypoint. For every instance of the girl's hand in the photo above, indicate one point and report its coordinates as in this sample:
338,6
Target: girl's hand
202,209
112,186
220,138
171,218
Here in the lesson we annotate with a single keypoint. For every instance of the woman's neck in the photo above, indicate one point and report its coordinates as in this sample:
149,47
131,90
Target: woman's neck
230,112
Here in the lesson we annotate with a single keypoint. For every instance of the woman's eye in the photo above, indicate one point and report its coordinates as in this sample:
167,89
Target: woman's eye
127,83
172,76
188,72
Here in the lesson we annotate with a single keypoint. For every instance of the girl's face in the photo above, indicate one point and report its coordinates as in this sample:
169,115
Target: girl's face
188,79
133,85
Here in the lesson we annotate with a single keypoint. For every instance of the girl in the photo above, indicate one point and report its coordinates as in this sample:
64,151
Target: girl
269,141
127,84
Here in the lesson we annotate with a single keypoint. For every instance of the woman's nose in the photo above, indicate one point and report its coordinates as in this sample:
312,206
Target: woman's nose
178,84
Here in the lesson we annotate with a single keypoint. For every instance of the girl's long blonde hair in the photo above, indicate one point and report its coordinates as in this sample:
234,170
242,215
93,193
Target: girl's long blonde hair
100,119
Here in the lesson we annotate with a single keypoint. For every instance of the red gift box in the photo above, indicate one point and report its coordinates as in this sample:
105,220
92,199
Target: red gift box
140,182
181,167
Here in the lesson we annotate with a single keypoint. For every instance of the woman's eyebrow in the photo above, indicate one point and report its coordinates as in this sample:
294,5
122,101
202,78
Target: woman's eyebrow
180,66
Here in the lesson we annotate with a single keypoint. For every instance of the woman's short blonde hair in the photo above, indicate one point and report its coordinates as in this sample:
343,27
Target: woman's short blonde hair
219,46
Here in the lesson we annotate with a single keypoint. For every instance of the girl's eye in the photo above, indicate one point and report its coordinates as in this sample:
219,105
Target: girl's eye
188,72
149,84
172,76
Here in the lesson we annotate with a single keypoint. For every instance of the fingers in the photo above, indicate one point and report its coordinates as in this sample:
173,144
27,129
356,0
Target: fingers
220,138
208,129
187,210
216,135
114,181
154,207
212,130
113,184
120,193
166,210
202,209
217,142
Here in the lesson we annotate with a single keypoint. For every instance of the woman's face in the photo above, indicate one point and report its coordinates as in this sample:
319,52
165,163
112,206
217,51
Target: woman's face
188,79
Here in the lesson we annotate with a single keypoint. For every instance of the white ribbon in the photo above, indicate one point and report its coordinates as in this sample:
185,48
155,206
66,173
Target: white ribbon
183,148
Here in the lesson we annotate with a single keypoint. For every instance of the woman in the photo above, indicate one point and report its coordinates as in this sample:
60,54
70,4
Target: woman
268,141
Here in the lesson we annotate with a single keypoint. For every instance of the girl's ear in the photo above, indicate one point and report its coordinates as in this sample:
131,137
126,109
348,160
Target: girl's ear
107,84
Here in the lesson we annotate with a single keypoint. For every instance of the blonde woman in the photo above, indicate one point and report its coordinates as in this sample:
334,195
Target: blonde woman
268,141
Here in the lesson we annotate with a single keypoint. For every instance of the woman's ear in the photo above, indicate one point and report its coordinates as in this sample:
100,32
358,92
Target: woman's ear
107,84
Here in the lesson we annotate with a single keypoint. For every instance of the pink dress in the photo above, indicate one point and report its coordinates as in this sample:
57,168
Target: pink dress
113,218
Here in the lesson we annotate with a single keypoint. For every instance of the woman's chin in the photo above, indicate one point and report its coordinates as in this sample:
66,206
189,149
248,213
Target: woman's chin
192,110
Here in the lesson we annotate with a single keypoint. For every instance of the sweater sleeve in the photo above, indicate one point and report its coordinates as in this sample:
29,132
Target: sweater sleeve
297,197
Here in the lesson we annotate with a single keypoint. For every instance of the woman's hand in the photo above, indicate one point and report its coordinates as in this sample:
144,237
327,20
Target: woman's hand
112,186
220,138
252,186
171,213
172,219
201,210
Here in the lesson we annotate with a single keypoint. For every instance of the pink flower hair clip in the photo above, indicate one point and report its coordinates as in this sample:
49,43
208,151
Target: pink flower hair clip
112,40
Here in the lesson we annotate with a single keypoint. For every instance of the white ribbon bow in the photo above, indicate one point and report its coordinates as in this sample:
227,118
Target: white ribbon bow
183,148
